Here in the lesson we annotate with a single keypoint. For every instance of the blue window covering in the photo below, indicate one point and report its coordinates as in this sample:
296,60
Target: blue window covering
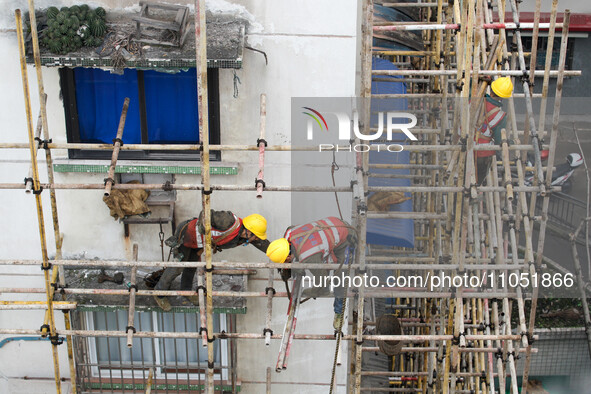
171,106
99,98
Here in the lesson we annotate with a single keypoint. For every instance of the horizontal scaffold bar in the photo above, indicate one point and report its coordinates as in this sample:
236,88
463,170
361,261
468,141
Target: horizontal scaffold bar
253,265
512,73
157,186
224,335
384,292
456,26
284,148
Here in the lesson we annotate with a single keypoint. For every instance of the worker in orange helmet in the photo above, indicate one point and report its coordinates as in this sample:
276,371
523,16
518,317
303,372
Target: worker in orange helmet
495,121
330,240
187,244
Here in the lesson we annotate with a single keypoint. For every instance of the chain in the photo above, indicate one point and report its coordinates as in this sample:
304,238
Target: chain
161,236
236,83
339,332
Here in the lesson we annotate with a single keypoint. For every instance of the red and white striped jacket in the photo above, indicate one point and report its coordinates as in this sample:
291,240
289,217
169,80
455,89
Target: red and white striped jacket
494,117
321,236
194,239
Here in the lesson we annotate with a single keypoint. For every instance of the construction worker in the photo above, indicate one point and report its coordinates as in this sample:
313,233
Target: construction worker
495,121
330,240
188,241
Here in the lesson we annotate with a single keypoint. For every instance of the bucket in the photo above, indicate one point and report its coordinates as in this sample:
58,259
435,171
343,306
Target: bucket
389,325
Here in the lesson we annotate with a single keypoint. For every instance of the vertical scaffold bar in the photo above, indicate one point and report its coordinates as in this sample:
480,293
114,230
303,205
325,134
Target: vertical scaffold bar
37,192
202,108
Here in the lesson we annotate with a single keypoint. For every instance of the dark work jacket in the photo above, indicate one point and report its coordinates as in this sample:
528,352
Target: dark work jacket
223,220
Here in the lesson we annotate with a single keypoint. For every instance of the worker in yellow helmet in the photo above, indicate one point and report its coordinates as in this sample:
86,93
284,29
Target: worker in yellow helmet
187,244
495,121
330,240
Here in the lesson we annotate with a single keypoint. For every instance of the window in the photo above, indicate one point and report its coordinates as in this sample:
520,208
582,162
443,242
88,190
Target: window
541,51
162,110
175,360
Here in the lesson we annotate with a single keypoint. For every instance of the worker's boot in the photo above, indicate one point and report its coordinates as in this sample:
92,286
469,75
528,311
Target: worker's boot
337,323
163,303
194,299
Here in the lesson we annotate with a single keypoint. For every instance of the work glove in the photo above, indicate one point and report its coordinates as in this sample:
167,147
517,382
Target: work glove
337,323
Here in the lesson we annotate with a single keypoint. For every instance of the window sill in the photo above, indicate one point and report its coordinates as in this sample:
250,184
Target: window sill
142,167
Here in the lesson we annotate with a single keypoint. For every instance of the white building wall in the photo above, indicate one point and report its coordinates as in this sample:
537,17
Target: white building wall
312,51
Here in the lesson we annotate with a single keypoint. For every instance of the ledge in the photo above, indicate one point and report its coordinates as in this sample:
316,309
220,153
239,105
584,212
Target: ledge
145,167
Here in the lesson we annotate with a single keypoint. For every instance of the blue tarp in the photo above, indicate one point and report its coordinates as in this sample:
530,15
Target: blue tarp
390,232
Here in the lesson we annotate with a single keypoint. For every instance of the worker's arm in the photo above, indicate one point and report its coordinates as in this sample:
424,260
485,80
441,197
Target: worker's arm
261,244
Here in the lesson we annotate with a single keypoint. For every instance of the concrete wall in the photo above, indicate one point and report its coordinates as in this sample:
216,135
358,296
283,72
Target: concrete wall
312,51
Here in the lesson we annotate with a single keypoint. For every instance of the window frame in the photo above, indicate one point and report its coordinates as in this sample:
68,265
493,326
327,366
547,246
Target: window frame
68,94
221,370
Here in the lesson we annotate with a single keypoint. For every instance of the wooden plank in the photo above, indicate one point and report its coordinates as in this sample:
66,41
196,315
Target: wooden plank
162,6
157,42
157,23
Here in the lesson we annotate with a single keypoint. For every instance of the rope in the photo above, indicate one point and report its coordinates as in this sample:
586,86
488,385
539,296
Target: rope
335,167
340,331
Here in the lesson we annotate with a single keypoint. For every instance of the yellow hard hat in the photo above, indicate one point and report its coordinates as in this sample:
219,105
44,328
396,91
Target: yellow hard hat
503,87
256,224
278,250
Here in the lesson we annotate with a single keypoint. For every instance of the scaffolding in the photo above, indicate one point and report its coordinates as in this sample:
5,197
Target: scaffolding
457,341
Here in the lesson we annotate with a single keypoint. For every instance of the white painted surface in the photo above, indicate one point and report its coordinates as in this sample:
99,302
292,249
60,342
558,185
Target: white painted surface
312,51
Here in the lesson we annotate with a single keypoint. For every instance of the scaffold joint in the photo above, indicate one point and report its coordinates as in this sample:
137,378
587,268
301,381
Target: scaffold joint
267,330
206,192
45,266
167,186
201,287
43,143
119,140
56,340
27,180
38,191
257,181
261,140
46,328
132,328
267,289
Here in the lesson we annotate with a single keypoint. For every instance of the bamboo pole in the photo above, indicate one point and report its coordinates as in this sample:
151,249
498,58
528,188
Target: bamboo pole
328,189
30,305
261,143
546,200
378,147
132,287
455,26
259,336
362,168
202,312
117,142
580,282
202,108
415,263
37,192
270,292
548,66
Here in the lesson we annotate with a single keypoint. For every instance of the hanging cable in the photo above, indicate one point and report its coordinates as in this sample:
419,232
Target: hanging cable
335,167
